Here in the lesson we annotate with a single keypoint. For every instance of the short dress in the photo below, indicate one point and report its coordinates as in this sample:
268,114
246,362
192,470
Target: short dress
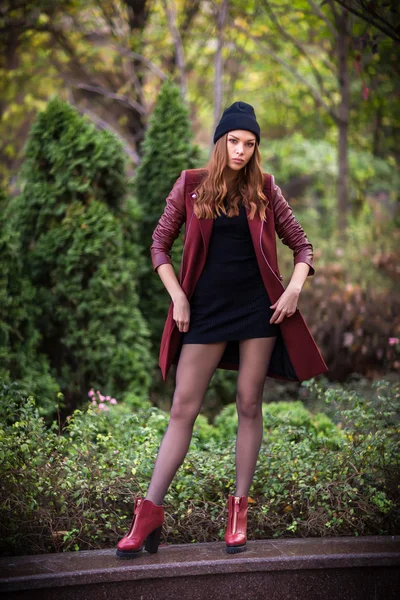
230,301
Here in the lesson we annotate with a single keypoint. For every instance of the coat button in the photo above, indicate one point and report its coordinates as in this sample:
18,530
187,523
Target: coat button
194,196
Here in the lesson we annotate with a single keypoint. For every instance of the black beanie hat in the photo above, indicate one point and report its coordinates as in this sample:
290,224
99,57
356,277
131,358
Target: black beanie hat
239,115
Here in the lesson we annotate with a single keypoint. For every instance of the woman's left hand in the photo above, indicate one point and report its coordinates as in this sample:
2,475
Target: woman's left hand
286,305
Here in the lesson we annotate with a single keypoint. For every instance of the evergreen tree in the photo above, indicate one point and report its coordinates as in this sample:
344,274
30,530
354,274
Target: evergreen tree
20,360
167,150
79,252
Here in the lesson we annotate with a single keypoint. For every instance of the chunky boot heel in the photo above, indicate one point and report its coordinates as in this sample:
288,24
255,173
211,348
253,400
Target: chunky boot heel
153,541
236,531
145,529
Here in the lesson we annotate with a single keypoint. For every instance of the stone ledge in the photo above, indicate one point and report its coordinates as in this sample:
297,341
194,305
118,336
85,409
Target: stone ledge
273,565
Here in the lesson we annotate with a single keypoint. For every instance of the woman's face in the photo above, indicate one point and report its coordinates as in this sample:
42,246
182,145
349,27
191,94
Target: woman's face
240,146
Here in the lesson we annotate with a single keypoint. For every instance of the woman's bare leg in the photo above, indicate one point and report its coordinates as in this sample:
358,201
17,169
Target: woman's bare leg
196,366
255,355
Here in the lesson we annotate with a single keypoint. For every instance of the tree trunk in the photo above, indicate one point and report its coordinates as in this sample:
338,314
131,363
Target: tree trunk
170,11
343,123
219,66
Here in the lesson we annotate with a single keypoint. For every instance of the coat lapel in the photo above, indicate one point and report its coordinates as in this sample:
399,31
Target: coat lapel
206,227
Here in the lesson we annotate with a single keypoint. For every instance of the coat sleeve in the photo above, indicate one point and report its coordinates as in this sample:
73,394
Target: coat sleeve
169,224
289,229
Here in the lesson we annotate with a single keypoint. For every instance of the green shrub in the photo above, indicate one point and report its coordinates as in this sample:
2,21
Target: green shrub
71,486
310,168
276,415
79,252
354,337
20,356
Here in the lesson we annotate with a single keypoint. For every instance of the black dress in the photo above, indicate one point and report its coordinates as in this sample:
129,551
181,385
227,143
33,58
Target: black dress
230,301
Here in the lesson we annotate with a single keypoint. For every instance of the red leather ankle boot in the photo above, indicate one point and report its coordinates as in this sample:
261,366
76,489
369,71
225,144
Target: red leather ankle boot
236,531
147,522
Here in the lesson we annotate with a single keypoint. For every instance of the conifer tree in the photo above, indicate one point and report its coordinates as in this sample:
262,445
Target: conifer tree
167,149
21,363
79,252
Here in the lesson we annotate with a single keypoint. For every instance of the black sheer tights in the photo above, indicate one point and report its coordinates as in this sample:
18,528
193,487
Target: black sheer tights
196,366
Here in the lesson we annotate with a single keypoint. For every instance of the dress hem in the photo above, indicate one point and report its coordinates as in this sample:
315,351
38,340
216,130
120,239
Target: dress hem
232,339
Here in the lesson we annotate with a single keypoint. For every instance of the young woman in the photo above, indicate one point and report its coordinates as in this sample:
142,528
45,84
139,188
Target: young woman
229,310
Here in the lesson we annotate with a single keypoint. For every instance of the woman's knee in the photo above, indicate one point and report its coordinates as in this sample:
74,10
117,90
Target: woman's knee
185,407
249,405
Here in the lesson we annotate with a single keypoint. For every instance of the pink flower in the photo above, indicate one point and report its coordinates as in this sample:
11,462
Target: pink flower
348,339
91,393
108,397
102,398
113,401
393,341
94,402
102,406
365,92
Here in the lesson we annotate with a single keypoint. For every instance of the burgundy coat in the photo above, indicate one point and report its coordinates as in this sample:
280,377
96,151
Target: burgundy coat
296,356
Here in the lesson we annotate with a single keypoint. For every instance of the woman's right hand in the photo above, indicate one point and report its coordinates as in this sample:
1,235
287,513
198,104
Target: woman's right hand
181,312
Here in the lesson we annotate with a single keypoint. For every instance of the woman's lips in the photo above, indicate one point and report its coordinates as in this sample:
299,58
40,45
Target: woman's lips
237,160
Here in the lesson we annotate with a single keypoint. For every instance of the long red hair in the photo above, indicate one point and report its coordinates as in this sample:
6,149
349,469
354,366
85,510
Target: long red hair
212,190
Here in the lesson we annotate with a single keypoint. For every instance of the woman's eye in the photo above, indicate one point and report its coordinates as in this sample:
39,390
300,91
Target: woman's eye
250,144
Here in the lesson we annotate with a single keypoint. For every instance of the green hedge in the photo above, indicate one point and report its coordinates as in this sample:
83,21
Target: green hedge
71,486
78,254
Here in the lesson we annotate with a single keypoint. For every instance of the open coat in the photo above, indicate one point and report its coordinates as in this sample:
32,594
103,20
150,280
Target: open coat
296,356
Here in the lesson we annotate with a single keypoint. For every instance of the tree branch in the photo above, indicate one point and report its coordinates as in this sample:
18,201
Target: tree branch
124,100
170,11
218,61
150,65
371,17
323,16
335,12
298,45
331,110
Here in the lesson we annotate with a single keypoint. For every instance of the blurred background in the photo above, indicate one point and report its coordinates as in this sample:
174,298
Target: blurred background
104,103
